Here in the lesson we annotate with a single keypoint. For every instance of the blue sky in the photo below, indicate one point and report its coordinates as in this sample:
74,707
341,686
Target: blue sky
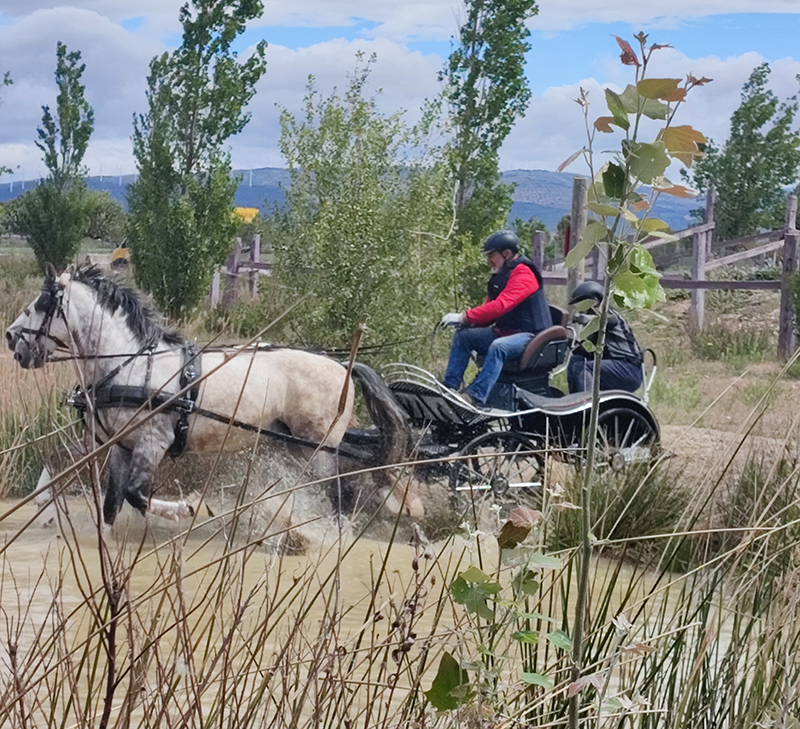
572,47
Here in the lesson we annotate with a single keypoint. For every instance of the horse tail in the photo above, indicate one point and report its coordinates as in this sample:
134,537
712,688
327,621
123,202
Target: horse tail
387,415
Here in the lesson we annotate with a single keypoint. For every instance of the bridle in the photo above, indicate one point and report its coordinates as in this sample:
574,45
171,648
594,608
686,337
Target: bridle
50,303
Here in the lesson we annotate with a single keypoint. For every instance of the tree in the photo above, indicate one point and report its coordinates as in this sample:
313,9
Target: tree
181,223
761,157
367,221
487,91
107,218
54,216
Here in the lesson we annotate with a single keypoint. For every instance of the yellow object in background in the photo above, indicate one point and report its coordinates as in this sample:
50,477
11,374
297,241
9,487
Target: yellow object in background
246,214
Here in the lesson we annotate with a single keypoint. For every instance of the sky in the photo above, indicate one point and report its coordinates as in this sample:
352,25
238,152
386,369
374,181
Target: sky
573,47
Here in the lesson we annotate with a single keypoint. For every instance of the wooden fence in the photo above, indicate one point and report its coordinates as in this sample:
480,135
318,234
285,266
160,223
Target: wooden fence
705,258
235,269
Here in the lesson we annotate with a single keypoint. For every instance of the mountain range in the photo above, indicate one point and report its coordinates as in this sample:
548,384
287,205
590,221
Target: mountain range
538,193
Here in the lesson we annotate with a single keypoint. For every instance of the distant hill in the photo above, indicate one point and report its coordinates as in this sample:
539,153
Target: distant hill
541,194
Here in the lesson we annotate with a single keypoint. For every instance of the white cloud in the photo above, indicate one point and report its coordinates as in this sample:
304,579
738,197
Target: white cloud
405,78
117,65
553,127
115,80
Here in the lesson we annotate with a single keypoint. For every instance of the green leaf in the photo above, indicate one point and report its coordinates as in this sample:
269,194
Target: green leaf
525,583
543,561
595,231
537,680
658,88
647,161
604,210
529,637
634,103
449,677
560,640
649,225
473,589
617,108
536,616
663,235
592,326
614,180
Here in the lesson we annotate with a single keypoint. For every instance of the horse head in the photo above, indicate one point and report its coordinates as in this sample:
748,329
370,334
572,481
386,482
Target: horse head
41,328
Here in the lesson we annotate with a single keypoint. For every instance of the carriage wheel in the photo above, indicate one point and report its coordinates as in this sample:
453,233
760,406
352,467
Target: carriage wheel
503,464
625,436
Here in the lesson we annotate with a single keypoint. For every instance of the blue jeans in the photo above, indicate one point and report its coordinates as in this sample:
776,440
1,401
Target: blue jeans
497,350
615,374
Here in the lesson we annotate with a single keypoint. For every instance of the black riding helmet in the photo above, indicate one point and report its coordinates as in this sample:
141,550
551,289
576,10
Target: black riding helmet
502,240
587,290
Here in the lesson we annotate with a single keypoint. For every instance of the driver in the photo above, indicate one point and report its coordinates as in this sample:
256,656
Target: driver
621,366
515,311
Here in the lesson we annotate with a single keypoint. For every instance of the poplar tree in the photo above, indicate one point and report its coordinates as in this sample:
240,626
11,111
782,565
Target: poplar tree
487,92
751,169
181,224
54,215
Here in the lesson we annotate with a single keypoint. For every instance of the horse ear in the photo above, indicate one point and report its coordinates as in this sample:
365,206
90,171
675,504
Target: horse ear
50,273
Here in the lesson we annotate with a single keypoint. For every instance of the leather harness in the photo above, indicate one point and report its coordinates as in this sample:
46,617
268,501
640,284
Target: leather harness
105,396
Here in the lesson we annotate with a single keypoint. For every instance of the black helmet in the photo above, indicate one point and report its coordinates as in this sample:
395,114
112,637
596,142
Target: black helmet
502,240
587,290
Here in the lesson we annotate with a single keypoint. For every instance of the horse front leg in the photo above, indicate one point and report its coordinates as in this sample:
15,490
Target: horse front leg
144,461
119,464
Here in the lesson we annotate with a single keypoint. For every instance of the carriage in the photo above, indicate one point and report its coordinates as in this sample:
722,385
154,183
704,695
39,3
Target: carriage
500,448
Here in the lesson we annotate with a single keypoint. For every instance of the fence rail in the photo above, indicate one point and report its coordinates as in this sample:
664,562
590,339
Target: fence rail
703,261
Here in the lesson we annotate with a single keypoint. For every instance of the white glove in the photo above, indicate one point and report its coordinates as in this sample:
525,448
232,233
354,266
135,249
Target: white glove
452,320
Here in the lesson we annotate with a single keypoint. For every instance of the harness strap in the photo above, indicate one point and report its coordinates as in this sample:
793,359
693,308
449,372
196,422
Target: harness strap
341,449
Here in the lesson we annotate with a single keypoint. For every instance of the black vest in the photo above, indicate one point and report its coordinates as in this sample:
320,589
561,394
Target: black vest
531,314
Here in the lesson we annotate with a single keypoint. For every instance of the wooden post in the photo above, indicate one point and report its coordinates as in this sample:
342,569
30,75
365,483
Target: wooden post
708,216
232,273
255,257
790,221
786,329
697,311
538,249
213,296
580,191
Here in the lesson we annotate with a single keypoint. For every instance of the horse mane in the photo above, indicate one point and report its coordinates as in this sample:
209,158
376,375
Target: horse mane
140,316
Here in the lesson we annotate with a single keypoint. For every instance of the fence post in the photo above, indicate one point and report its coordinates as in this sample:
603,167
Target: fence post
786,328
708,217
697,311
577,225
232,273
538,249
255,257
213,296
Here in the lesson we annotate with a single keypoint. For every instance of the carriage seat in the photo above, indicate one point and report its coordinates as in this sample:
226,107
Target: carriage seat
545,351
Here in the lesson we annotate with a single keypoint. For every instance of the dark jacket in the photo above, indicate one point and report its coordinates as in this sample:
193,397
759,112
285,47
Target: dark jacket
620,342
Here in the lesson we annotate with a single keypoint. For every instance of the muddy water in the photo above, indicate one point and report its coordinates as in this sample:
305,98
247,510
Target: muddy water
185,591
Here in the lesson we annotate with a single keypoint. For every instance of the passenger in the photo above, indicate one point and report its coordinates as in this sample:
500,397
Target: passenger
621,366
515,311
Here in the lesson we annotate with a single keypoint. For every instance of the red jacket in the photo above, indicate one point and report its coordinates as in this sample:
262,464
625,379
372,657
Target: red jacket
521,284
